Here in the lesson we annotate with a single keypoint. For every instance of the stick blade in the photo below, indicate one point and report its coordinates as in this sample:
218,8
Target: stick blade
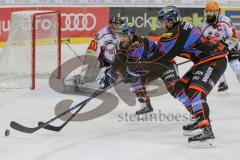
50,127
22,128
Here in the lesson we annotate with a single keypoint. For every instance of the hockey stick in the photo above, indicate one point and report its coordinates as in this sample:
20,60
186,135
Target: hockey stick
59,128
183,62
25,129
66,42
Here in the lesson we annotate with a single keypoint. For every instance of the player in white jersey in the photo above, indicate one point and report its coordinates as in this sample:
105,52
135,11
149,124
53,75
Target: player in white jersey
220,26
103,46
104,43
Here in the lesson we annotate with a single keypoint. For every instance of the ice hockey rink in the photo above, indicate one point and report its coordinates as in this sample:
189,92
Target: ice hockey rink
112,137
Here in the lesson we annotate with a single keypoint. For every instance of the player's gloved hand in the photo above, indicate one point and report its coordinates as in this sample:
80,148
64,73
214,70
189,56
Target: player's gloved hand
130,77
110,77
232,44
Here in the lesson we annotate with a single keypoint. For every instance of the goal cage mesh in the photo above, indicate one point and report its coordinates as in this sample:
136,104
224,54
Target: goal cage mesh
33,49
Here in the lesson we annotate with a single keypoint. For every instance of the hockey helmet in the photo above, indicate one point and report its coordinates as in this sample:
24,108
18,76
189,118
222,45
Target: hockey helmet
116,20
115,23
211,12
126,32
169,13
128,28
212,6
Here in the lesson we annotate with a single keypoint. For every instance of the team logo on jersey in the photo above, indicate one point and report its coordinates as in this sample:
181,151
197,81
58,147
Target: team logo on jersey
167,35
93,45
136,44
217,34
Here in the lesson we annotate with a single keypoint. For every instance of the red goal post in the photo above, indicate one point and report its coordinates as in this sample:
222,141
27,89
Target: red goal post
35,16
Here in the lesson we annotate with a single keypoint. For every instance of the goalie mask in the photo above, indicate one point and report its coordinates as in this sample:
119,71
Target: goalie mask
115,23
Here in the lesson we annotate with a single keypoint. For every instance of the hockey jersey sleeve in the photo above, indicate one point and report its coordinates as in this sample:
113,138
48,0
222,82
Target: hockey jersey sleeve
228,26
232,40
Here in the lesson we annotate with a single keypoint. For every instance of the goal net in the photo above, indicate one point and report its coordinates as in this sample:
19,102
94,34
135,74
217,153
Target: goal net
33,49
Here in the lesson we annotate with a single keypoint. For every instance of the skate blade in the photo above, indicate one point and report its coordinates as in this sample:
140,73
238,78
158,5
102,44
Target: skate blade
203,144
144,113
223,93
192,133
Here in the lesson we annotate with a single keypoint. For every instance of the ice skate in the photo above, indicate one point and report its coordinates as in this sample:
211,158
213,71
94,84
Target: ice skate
191,129
204,139
146,106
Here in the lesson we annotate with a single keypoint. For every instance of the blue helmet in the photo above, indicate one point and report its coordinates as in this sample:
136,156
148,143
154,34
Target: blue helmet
169,13
128,28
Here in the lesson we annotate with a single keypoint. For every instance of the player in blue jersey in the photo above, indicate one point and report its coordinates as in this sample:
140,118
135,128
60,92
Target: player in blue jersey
209,57
135,49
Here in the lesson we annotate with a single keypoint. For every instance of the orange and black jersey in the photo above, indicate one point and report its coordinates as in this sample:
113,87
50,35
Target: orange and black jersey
138,49
186,40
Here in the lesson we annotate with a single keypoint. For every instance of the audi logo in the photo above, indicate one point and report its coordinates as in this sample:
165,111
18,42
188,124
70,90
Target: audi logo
78,21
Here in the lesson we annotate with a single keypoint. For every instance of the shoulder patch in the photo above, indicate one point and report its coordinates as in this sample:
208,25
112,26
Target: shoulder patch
93,45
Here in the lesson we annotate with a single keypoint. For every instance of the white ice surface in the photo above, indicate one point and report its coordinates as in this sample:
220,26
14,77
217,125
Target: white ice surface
108,137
